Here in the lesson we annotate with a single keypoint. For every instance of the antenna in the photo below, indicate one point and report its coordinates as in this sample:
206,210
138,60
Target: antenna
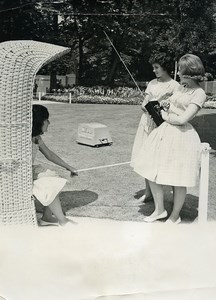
124,65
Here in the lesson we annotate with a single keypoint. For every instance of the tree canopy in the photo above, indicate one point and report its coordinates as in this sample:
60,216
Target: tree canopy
139,29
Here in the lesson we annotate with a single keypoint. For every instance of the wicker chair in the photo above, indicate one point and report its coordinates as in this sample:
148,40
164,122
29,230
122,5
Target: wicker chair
19,63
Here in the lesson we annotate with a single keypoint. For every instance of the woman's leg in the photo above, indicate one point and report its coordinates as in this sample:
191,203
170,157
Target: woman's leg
158,195
159,212
148,193
179,199
147,196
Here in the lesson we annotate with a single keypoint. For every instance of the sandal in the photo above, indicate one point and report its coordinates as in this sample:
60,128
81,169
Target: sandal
45,223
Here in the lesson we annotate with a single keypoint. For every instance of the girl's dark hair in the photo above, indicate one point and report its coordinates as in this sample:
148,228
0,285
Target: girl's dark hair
163,60
39,115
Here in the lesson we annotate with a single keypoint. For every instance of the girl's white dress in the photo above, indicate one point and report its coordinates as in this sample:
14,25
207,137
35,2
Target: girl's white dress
46,183
157,89
171,153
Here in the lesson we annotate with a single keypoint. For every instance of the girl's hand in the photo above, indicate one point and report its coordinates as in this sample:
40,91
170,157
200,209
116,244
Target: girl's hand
73,171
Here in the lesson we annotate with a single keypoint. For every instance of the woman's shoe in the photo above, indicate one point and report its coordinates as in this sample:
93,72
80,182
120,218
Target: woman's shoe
143,199
154,218
171,222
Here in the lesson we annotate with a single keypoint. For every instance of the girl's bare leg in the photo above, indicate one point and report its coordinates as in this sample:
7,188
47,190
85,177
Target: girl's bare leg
48,216
56,209
179,199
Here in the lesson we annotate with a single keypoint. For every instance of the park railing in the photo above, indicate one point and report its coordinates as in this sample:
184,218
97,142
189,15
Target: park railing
204,184
209,87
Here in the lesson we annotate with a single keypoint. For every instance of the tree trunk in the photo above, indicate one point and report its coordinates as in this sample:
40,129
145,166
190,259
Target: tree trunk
113,68
80,67
53,79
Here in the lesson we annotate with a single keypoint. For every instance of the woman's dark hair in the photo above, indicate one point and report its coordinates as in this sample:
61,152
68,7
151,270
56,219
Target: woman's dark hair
39,115
163,60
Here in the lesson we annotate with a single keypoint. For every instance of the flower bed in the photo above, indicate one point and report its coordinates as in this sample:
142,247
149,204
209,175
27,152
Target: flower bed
210,102
88,99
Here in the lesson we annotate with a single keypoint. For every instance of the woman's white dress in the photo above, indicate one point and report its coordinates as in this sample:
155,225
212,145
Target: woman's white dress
46,183
156,89
171,153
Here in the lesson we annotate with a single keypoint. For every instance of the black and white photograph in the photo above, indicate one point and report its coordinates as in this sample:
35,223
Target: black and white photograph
107,150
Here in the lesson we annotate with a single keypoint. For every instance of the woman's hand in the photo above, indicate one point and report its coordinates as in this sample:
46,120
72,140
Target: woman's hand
143,108
165,105
164,115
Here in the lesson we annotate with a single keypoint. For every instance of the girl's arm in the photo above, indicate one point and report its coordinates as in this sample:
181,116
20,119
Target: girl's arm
51,156
174,109
183,118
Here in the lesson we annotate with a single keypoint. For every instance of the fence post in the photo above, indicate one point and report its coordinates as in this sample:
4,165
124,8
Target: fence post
176,70
69,98
206,86
204,182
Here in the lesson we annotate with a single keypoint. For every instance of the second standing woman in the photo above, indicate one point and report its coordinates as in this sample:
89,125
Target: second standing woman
160,88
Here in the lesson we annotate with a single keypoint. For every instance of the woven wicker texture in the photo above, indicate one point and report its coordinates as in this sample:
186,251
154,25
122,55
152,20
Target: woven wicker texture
19,63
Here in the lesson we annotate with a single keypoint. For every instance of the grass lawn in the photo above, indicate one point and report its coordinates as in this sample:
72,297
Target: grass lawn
111,192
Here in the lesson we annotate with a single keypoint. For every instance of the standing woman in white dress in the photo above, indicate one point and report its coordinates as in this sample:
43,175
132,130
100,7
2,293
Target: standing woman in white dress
171,153
46,183
160,88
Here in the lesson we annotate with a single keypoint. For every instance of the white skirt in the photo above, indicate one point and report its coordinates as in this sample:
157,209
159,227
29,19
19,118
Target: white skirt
170,156
145,127
47,186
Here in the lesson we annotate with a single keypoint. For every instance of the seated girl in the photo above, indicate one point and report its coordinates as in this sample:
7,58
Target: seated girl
46,183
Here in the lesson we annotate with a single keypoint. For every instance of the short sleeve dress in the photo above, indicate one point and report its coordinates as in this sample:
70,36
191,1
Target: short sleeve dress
46,183
157,89
171,153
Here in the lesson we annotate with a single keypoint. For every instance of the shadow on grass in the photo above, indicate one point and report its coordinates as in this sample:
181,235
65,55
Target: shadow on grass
72,199
139,194
188,213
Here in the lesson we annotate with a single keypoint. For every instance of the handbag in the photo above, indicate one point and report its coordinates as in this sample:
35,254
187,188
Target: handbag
154,109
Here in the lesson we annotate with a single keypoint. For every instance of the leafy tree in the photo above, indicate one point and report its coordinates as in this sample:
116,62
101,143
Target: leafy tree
22,20
139,29
191,31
